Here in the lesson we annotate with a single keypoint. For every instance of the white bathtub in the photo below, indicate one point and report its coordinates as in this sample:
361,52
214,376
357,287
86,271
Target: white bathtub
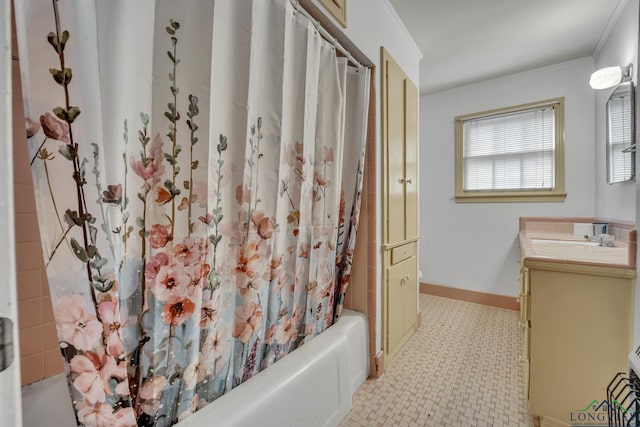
313,386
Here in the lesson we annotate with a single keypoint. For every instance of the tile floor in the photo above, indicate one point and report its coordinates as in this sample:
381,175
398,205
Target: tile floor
459,369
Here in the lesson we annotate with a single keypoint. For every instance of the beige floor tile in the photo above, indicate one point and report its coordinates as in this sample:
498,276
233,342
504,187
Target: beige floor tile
460,369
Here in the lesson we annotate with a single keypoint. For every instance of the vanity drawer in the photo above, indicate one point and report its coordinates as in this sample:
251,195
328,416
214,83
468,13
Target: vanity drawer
402,252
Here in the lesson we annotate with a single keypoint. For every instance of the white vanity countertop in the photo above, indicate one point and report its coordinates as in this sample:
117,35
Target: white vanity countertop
545,248
552,240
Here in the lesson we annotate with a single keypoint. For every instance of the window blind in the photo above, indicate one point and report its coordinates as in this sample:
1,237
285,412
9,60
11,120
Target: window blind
620,137
510,152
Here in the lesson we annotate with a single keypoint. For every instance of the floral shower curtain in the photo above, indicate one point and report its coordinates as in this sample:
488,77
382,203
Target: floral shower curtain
198,168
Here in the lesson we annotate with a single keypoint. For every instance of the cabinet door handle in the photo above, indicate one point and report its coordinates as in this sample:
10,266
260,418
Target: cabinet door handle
522,325
409,181
405,181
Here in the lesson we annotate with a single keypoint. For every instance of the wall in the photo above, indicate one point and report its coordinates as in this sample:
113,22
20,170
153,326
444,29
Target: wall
474,245
39,352
370,25
620,47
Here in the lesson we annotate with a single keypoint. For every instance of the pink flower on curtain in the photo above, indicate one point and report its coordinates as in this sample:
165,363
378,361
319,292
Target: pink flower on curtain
125,417
248,318
187,252
263,224
194,373
54,128
217,344
156,151
159,236
249,259
171,281
153,265
113,194
110,316
93,375
321,180
148,170
97,415
243,194
77,326
285,332
304,250
177,310
327,154
270,334
209,310
150,394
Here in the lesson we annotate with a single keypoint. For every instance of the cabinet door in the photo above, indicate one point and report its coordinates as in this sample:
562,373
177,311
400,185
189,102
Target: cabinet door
395,302
411,161
395,154
410,293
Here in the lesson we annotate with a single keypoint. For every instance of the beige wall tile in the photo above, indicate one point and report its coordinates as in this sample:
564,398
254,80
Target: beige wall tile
30,313
29,284
52,362
31,341
32,368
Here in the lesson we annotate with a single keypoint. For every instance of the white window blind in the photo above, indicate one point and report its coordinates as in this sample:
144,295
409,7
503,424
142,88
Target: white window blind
621,167
510,152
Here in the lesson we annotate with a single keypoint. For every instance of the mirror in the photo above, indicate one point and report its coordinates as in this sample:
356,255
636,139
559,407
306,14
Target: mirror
621,147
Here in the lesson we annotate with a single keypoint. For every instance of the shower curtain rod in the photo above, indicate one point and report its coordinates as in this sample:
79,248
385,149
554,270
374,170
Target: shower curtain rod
325,34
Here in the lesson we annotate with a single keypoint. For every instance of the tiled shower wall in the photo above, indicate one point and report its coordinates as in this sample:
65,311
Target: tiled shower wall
362,293
39,353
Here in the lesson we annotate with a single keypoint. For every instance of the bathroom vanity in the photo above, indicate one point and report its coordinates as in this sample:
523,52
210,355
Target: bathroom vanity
576,314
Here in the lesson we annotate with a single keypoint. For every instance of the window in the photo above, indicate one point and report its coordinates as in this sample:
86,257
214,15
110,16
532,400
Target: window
511,154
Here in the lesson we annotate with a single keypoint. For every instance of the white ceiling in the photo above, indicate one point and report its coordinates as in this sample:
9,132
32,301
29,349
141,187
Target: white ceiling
466,41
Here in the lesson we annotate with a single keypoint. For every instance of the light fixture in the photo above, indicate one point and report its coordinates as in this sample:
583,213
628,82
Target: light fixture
610,76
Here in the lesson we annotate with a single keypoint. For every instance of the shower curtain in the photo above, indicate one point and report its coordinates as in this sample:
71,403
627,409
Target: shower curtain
198,168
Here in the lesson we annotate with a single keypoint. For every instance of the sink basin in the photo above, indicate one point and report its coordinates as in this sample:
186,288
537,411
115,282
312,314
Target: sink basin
564,242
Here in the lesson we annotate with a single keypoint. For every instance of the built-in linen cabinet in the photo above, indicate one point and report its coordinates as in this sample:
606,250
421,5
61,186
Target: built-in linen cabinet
400,205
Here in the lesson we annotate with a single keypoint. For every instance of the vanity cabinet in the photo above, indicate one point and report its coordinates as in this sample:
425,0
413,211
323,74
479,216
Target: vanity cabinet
577,322
399,206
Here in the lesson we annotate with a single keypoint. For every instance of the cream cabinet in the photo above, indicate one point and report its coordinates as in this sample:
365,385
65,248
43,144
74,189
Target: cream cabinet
577,323
401,295
400,153
400,205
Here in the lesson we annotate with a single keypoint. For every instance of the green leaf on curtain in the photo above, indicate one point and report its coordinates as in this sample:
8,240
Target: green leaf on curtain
103,286
175,25
64,39
170,31
72,218
52,39
194,164
67,74
78,250
186,185
72,114
67,151
60,113
144,118
171,57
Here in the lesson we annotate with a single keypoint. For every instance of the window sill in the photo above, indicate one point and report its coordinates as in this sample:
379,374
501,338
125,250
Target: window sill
508,197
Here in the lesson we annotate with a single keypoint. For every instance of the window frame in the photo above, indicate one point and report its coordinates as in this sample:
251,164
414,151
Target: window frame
557,194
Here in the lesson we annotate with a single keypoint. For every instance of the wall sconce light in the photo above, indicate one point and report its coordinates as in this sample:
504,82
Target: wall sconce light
610,76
